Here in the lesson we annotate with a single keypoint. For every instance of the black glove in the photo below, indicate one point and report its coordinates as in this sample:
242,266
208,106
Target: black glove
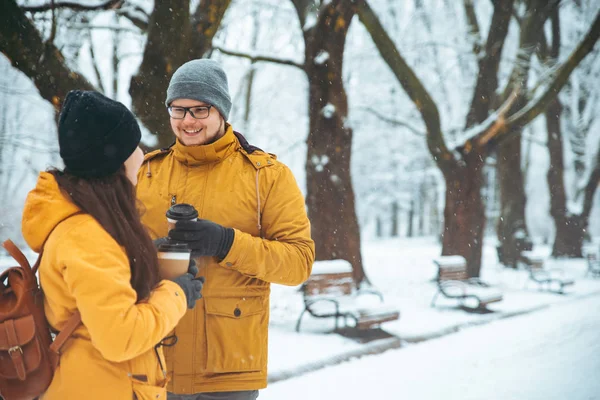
191,286
204,237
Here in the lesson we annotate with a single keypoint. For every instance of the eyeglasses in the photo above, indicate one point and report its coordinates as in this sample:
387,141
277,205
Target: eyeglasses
198,112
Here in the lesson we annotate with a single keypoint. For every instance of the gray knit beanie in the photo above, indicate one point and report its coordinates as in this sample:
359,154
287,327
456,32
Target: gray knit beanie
203,80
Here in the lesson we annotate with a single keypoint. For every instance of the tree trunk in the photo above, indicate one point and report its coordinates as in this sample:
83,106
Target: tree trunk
464,214
512,228
512,225
410,231
568,241
378,227
394,219
168,46
330,196
570,228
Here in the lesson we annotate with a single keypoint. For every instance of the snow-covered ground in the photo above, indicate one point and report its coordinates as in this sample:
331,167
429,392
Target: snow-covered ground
553,354
403,270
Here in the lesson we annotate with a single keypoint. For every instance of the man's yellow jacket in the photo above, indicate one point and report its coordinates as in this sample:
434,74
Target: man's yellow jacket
222,343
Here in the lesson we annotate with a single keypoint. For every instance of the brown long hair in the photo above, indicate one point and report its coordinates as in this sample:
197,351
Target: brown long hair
111,201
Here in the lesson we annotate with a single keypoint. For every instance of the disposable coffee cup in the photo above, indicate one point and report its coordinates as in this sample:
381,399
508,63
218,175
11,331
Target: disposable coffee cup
181,212
173,259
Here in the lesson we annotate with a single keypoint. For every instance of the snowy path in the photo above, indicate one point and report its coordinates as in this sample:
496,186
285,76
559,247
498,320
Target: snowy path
547,355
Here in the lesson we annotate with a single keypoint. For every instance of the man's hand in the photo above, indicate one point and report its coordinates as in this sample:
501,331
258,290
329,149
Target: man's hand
204,237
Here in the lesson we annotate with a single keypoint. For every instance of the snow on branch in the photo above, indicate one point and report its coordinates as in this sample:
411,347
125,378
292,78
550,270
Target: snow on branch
74,5
539,104
494,124
136,15
258,58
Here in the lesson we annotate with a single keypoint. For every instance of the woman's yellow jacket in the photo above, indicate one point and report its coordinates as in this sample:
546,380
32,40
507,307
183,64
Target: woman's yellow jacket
112,354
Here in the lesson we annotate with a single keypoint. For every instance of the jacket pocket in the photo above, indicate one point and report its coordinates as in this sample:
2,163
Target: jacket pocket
236,334
145,391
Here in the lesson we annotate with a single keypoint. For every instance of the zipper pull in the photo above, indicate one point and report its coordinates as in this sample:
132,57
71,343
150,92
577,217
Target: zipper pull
173,199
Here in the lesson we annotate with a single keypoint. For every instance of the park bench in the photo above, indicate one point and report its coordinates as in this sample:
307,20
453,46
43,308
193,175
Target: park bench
538,274
330,292
453,282
593,263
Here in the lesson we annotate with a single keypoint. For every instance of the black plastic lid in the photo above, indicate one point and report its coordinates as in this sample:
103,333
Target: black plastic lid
174,248
182,211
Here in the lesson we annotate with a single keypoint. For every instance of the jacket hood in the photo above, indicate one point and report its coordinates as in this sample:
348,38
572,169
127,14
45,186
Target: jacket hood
45,207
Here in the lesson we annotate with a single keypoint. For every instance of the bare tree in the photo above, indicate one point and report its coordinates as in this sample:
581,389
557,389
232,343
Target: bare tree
512,227
570,226
462,169
330,195
188,36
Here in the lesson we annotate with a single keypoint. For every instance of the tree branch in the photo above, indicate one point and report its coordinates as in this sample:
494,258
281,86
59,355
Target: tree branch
205,23
132,13
409,81
95,63
484,94
395,122
538,105
532,28
498,124
107,5
473,26
255,58
43,63
303,9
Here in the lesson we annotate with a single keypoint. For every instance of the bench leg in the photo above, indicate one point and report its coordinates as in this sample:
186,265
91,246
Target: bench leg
300,320
434,298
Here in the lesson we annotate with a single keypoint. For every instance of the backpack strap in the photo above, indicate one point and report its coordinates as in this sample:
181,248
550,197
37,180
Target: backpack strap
18,255
72,323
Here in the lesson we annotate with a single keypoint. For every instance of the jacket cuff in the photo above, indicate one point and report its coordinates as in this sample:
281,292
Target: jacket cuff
226,243
177,292
238,251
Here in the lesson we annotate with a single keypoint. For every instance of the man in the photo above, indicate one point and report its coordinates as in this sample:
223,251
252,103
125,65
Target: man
252,230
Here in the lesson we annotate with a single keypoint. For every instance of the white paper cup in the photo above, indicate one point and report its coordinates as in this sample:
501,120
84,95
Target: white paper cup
173,264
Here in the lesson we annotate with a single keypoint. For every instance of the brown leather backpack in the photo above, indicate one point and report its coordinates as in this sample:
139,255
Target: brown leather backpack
28,355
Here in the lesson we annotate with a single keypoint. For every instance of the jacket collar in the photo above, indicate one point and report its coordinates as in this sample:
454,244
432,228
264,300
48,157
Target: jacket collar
206,154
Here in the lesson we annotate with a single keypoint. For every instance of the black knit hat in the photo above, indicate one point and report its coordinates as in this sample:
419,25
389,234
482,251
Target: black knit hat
95,134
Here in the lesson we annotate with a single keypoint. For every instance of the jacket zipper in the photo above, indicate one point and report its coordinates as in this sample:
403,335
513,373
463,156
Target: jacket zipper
173,199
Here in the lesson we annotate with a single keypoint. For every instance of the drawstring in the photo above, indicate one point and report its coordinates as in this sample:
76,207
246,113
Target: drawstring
166,342
259,226
148,174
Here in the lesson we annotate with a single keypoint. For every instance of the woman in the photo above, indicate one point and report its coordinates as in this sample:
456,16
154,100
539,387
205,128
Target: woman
98,259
